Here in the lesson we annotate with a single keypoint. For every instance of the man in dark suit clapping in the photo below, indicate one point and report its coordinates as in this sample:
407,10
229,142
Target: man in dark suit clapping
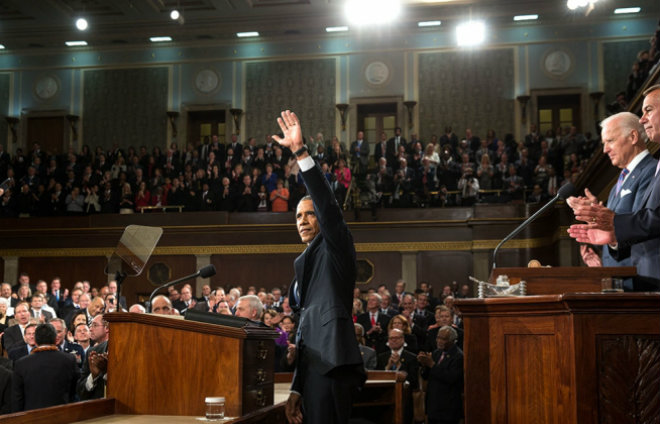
329,366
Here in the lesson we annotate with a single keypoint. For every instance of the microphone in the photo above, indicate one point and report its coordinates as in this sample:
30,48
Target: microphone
564,191
205,272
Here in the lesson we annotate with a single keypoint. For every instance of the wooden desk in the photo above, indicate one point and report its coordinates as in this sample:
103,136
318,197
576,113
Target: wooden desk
583,358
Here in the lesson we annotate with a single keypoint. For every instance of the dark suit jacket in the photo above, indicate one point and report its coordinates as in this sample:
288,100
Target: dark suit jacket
44,379
47,315
99,388
325,274
368,357
12,337
375,340
638,235
409,364
364,152
5,390
445,386
18,352
630,199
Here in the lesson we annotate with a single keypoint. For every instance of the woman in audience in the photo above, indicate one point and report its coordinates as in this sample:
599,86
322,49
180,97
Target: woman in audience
343,175
431,155
126,204
485,173
4,321
142,197
400,322
279,198
358,308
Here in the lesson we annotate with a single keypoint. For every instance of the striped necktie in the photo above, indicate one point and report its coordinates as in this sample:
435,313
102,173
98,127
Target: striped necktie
622,177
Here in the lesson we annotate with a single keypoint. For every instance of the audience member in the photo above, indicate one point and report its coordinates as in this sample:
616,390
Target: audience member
91,384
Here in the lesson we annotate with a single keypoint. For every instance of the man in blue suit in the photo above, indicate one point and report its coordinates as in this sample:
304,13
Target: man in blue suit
623,140
329,366
635,234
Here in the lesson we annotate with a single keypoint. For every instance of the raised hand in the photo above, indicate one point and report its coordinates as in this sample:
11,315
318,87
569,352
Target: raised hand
290,126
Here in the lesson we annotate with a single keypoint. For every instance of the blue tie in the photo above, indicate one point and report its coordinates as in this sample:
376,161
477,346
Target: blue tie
622,177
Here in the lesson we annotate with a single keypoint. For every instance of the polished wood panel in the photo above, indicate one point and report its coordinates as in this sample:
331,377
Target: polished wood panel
549,359
162,365
63,414
562,279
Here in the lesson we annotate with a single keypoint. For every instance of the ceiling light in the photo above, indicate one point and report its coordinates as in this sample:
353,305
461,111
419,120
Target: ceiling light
2,46
470,33
623,10
336,29
247,34
76,43
82,24
367,12
525,17
160,39
428,24
174,15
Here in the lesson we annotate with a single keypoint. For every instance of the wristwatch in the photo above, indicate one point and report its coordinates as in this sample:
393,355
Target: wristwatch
300,151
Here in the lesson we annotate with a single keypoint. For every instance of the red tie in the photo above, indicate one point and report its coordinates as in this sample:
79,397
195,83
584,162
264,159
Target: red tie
373,320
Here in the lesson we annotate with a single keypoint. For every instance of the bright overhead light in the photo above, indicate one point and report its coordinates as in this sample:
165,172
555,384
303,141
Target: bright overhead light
470,33
160,39
368,12
336,29
2,46
174,15
623,10
247,34
525,17
82,24
428,24
76,43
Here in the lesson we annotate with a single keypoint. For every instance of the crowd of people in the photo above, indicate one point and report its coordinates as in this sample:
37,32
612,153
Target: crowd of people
250,177
396,330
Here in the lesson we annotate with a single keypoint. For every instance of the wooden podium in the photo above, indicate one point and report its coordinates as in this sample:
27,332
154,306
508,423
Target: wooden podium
564,358
163,366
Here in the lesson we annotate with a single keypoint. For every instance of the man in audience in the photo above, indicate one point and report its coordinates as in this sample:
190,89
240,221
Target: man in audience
63,344
91,384
369,356
50,302
399,292
161,305
396,358
444,372
82,336
360,154
185,301
386,304
250,307
94,308
137,309
112,289
72,303
36,310
14,335
47,377
206,292
374,323
24,350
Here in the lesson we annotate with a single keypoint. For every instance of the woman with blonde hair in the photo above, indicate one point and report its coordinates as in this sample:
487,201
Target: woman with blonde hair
401,322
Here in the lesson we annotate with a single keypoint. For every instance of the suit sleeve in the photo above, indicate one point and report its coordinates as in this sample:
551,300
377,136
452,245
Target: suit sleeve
636,227
17,392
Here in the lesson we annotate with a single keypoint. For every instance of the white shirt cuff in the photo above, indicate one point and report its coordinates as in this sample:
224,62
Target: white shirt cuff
89,383
306,163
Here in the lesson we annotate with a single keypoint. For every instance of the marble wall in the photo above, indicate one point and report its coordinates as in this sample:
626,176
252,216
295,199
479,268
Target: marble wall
618,58
4,107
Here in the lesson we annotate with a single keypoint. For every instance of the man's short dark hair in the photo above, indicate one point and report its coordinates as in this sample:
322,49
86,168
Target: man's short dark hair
45,334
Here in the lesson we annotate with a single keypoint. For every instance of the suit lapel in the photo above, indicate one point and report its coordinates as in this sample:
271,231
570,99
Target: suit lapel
300,267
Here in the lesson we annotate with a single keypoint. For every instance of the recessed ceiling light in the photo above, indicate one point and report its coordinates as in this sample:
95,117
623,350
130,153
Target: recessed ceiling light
622,10
174,15
2,46
76,43
247,34
372,12
82,24
336,29
428,24
160,39
525,17
471,33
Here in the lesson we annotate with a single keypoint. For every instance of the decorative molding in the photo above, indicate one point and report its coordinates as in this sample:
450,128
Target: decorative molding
628,378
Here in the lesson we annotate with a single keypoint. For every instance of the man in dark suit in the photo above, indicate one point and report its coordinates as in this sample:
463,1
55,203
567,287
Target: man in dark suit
374,323
636,234
360,154
329,366
45,378
399,359
369,356
13,336
64,345
624,142
5,391
380,149
444,372
392,148
36,310
91,384
20,351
